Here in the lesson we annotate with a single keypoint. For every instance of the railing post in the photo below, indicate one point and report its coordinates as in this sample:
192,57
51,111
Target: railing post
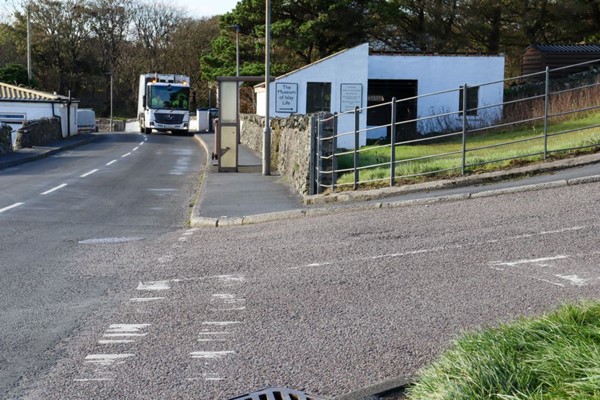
334,162
356,144
546,108
313,155
464,128
319,154
393,143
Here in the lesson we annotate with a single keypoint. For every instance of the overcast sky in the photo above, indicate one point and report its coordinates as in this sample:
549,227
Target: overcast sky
205,8
196,8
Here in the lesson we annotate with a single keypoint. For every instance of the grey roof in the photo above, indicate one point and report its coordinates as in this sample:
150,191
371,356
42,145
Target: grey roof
17,93
567,48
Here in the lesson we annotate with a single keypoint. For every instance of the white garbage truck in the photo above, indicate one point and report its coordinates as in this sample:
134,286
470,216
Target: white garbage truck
163,103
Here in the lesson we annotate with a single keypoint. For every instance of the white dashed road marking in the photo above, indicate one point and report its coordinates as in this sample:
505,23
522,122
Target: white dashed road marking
111,162
89,173
54,189
10,207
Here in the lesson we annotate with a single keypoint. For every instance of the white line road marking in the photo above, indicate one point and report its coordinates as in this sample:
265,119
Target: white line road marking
107,359
115,341
145,299
10,207
443,248
89,173
539,261
135,148
111,162
155,285
91,379
54,189
110,240
220,323
125,155
141,143
211,354
574,279
124,334
126,327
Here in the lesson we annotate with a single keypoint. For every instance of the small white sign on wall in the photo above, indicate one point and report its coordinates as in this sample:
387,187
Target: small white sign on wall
350,96
286,97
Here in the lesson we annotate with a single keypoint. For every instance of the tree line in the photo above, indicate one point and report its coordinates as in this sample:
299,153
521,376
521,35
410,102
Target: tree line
77,44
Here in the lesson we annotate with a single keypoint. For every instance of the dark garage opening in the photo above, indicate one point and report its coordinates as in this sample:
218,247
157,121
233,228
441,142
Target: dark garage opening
382,91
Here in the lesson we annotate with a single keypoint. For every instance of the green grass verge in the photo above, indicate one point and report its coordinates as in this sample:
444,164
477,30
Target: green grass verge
450,165
556,356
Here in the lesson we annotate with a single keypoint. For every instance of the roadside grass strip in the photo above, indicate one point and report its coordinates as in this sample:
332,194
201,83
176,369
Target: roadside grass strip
556,356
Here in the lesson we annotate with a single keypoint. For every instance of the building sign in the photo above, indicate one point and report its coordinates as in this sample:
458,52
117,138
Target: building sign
286,97
350,96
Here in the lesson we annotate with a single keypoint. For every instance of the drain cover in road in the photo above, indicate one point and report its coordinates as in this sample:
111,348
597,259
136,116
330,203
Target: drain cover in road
278,394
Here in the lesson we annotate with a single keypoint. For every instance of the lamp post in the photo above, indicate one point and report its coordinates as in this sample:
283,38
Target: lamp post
237,49
111,99
29,73
266,161
237,69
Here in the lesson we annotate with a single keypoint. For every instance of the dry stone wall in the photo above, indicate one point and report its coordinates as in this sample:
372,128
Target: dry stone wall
5,139
38,133
290,146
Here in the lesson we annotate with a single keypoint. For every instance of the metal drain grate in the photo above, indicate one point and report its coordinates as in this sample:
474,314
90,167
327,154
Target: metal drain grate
278,394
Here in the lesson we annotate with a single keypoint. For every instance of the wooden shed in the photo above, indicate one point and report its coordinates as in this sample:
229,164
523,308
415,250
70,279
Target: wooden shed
537,57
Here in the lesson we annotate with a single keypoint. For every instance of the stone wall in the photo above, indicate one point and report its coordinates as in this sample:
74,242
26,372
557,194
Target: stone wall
103,125
290,146
38,133
5,139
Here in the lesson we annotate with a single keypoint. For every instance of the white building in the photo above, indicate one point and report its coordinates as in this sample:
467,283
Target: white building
18,104
354,77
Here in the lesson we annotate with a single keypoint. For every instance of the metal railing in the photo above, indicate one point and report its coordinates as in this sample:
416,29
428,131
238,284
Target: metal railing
556,117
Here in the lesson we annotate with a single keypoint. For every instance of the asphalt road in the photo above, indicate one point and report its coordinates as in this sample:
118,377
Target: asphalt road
326,304
57,216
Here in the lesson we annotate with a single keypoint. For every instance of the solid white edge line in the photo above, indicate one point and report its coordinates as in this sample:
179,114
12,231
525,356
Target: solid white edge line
89,173
10,207
54,189
111,162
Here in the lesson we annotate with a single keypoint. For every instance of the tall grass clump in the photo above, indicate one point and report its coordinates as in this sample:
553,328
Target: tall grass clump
553,357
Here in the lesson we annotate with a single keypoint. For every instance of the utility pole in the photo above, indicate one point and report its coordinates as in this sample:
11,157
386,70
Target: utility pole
266,161
29,73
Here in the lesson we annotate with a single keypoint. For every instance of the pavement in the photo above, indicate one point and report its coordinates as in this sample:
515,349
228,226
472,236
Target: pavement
248,197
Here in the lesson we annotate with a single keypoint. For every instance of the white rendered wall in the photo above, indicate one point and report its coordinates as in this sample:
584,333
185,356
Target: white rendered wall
441,73
432,73
38,110
349,67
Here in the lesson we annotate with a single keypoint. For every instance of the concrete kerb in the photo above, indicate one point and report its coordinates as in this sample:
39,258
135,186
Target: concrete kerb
199,221
373,391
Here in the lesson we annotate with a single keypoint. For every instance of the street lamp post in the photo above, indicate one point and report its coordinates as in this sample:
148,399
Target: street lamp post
111,99
266,161
29,73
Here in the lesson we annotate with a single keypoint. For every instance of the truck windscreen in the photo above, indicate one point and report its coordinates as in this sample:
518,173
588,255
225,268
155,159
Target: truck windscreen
169,96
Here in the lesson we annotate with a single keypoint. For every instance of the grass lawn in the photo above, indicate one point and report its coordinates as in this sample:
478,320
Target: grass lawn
450,165
556,356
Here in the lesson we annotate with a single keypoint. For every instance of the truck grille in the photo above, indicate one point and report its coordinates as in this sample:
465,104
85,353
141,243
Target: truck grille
278,394
168,118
